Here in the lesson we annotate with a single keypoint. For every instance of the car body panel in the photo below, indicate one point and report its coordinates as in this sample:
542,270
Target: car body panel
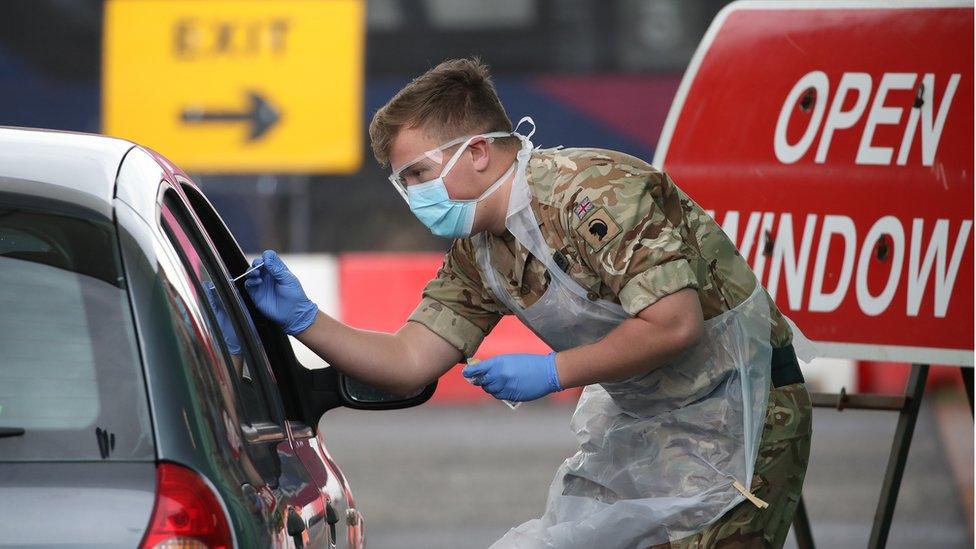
294,494
351,526
267,480
276,482
309,476
323,471
71,167
108,505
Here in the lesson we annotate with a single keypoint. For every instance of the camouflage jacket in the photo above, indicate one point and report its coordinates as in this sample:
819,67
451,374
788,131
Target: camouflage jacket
622,229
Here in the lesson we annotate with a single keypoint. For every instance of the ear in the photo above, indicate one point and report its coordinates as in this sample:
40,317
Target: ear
480,153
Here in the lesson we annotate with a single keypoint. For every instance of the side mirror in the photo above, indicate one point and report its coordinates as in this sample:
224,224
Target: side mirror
356,394
323,389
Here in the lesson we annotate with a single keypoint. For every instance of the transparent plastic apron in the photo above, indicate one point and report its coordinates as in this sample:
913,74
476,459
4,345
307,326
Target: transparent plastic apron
659,453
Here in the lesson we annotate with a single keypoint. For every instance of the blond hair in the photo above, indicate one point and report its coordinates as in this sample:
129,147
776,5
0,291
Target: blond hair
453,99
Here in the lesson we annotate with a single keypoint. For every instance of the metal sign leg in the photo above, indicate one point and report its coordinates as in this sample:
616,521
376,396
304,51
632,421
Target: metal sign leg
801,526
967,381
914,390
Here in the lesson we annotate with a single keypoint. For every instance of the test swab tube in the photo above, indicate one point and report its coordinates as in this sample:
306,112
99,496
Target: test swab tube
509,403
245,273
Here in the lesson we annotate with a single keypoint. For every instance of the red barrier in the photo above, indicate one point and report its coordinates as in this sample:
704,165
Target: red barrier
890,377
378,291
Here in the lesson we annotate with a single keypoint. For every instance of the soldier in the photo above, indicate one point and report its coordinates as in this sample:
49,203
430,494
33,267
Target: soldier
694,424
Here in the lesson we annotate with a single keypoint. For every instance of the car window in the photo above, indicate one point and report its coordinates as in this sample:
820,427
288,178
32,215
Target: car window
276,345
212,293
71,381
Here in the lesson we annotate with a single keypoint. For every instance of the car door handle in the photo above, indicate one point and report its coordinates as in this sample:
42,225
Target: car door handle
296,524
332,518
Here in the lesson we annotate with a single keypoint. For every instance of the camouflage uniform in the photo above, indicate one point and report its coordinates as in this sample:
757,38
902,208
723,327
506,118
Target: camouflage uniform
626,233
778,479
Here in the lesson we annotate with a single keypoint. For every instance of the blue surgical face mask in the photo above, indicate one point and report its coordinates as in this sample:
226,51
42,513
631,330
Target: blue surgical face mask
430,202
443,215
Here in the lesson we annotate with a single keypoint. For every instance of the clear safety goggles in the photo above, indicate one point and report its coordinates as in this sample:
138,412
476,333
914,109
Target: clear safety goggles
431,164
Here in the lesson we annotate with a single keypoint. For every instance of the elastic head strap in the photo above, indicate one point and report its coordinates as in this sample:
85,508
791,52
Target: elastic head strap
498,183
530,121
466,142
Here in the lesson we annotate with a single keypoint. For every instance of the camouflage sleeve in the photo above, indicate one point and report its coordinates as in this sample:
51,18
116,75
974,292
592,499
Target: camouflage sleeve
455,305
628,219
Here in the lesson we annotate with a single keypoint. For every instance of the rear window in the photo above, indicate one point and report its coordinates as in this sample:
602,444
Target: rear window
71,385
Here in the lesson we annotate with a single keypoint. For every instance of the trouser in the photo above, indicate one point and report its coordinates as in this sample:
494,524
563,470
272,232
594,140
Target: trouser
778,480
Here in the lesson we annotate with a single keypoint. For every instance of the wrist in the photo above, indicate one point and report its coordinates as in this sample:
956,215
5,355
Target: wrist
553,374
303,319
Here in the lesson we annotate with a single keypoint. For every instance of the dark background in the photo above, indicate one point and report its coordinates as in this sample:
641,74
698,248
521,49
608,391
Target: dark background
547,57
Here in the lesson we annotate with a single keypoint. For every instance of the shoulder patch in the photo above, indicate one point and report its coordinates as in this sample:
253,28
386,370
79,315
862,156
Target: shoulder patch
583,207
598,229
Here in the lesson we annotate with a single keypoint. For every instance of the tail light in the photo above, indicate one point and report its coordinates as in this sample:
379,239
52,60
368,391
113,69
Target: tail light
187,513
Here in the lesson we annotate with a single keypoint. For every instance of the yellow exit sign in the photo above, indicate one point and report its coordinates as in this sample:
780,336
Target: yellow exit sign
237,85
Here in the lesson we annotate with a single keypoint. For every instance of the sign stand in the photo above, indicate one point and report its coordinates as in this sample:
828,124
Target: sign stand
967,381
907,405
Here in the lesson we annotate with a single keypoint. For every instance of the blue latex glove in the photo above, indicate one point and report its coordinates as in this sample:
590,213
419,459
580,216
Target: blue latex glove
279,295
516,377
223,321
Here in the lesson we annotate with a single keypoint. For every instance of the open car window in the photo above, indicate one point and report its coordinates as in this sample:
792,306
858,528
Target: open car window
276,344
213,293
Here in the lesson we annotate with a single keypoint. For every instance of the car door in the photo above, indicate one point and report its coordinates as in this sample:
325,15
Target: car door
342,518
296,513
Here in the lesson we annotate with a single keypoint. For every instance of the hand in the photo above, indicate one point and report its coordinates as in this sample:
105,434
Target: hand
223,321
516,377
278,294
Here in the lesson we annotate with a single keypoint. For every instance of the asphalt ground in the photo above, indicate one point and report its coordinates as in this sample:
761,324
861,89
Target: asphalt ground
439,477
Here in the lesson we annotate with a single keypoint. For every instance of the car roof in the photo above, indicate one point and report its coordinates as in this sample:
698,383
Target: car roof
70,167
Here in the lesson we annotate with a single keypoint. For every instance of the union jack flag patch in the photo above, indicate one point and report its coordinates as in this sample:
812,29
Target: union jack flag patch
584,207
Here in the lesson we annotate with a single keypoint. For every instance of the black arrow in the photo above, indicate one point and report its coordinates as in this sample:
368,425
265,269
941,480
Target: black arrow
262,115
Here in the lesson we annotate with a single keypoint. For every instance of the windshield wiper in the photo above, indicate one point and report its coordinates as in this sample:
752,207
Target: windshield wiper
11,432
